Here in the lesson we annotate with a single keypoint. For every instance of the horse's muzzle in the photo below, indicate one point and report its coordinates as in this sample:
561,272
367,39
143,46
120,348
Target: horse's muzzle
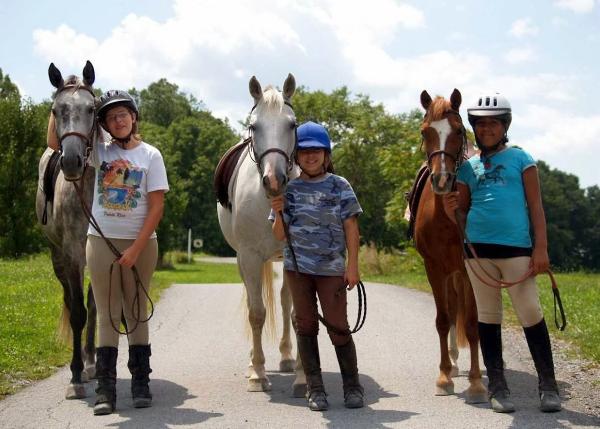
442,183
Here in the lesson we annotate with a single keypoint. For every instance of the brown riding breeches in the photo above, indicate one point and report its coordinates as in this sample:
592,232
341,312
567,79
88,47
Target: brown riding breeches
331,291
99,259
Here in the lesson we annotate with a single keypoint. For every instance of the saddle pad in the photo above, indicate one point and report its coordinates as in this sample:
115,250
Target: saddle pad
224,172
413,198
50,175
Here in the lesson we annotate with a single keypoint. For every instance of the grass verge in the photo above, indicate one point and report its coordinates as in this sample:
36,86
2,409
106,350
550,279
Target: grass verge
580,294
30,307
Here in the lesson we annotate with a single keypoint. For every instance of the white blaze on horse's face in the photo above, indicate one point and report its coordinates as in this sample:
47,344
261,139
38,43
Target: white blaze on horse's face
443,129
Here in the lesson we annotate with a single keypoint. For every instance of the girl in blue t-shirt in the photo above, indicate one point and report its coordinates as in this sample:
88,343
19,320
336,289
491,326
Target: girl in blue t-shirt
320,210
499,190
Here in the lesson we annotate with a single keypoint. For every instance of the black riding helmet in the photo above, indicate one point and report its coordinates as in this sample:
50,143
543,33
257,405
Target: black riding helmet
115,98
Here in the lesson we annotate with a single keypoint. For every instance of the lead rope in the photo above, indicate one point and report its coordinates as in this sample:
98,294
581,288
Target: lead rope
138,282
489,280
360,287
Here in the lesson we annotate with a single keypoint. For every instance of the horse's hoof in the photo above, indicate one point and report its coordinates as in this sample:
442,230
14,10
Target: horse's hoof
476,398
444,390
259,385
299,390
75,391
89,372
454,371
287,365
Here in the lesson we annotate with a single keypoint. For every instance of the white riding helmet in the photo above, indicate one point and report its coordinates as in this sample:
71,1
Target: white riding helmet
490,105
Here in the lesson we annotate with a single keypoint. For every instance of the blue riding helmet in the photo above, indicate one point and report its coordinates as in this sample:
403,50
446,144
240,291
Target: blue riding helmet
313,136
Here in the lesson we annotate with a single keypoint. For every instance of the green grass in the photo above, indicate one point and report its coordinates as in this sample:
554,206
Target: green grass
30,307
580,293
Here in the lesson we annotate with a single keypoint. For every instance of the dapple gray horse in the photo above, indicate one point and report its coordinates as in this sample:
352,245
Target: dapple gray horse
66,226
263,170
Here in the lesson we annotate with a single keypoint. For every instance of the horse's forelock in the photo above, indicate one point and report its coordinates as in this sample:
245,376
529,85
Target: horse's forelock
70,80
273,98
438,108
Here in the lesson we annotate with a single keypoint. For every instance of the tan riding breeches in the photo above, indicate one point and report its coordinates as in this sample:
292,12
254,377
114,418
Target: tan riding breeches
122,295
524,296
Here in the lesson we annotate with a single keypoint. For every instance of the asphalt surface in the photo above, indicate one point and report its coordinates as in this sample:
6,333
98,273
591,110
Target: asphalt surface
200,354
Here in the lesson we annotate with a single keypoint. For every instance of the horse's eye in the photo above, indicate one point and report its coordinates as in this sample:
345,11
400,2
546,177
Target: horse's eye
252,127
459,131
90,110
293,125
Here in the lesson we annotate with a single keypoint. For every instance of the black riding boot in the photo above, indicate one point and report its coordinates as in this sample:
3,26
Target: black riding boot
139,366
353,391
490,339
308,347
541,352
106,373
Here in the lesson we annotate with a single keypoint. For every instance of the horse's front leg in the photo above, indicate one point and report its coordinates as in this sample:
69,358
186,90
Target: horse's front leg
76,389
287,362
90,331
251,269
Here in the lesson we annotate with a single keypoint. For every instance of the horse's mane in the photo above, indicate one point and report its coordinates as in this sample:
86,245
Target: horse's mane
438,107
272,98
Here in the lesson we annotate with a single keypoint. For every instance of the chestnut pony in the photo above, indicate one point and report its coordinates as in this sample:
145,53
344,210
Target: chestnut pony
438,242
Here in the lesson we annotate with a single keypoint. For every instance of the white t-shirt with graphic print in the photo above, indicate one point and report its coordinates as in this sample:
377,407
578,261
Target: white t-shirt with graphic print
123,180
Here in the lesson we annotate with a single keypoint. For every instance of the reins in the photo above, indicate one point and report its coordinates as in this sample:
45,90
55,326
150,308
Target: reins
90,217
491,281
138,282
360,287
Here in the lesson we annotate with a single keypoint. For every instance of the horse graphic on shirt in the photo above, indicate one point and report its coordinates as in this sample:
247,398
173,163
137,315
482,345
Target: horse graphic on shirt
493,176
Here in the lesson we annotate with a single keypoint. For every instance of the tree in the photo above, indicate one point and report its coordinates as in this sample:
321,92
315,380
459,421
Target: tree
23,136
8,90
376,151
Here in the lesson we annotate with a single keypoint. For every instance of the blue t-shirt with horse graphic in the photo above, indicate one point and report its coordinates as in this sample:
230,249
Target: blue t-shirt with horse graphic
498,212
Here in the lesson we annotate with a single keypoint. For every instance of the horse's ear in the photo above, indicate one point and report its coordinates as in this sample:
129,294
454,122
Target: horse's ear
425,100
255,89
289,86
88,74
55,77
455,99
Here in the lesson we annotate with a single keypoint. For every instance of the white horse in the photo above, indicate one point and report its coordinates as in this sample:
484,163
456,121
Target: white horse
263,170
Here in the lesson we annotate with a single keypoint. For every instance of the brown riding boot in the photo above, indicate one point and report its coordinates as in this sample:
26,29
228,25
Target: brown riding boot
308,348
353,391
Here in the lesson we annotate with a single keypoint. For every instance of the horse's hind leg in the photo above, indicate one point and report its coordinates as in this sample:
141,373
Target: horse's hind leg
287,362
90,331
453,351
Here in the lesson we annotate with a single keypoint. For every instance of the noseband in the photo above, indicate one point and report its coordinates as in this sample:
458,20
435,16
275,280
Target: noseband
457,157
87,138
257,158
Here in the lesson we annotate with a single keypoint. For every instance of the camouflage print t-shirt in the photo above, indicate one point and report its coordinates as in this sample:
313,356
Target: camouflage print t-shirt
315,212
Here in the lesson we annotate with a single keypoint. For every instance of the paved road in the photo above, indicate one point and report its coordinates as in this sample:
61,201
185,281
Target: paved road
200,353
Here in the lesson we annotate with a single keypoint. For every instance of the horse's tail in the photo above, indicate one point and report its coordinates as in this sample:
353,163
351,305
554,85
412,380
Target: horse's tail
268,296
64,331
460,284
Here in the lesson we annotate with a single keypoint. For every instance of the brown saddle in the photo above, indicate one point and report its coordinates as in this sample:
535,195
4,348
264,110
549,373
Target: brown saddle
49,182
224,172
414,196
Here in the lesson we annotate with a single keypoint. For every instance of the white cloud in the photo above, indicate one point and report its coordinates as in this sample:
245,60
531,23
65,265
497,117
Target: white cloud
577,6
519,55
562,140
523,27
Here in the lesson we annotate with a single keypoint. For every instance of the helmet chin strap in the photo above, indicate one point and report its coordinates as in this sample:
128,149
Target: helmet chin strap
123,141
485,150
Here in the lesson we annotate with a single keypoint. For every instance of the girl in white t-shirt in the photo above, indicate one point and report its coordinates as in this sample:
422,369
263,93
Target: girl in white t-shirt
128,204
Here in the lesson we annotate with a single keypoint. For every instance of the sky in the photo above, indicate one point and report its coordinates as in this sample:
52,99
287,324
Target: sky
543,55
